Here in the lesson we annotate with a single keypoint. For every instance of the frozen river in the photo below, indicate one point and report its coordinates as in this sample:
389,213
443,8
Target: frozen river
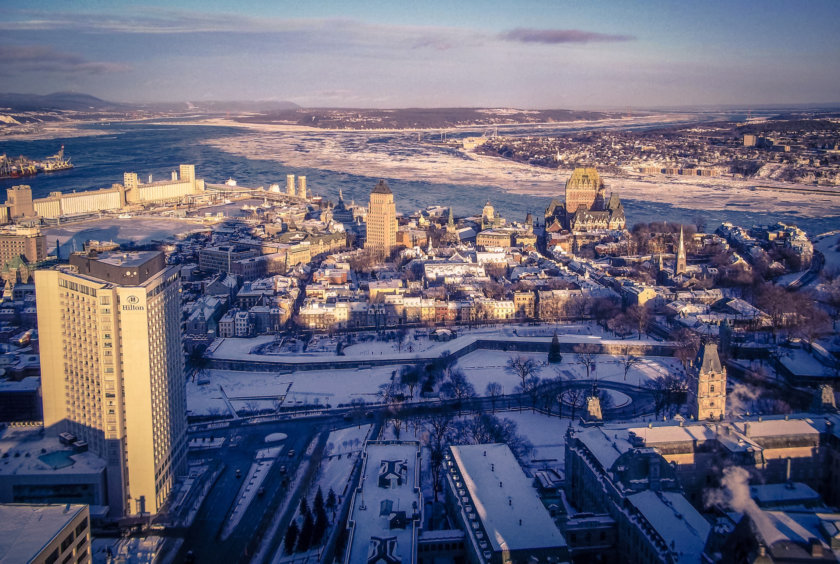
420,173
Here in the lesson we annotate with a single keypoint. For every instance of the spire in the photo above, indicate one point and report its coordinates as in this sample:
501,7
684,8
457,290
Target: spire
451,221
340,197
680,264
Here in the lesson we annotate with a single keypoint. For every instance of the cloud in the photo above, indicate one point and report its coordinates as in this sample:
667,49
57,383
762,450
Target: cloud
43,58
555,36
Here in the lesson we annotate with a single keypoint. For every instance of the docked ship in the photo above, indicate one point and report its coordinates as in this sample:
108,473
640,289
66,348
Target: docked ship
57,162
23,166
17,168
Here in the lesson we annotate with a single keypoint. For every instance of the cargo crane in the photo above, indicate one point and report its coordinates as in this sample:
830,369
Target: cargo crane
57,162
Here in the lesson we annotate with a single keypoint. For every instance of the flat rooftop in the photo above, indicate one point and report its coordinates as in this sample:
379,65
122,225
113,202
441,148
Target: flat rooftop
26,451
26,529
388,493
127,259
505,500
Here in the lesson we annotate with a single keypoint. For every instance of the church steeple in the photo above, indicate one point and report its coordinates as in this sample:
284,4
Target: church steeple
680,264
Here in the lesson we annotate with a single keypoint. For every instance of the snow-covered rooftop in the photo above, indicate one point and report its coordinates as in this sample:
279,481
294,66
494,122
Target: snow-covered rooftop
775,427
504,499
682,528
30,452
382,520
26,529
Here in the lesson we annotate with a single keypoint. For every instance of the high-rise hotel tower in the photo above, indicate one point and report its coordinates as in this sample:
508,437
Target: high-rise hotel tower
112,370
381,220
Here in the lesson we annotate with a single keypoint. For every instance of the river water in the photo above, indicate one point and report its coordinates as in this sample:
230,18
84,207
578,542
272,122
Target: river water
157,150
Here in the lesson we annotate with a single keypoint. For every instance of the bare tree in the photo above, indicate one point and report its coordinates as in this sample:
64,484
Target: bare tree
410,378
640,316
494,391
575,398
457,386
688,343
523,368
628,360
603,309
586,357
439,428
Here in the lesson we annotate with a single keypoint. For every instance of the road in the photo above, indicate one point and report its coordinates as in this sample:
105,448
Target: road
203,538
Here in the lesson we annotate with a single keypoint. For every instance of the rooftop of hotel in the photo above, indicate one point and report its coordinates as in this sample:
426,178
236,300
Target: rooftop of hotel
127,259
28,450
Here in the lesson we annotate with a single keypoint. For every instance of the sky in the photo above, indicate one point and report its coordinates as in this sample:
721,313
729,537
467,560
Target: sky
433,53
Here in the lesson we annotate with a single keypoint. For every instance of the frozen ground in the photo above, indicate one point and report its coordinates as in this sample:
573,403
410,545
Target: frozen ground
349,152
484,366
305,388
137,230
827,244
244,349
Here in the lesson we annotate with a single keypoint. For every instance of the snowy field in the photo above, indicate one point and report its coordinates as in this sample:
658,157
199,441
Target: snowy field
225,391
483,366
262,348
137,230
301,389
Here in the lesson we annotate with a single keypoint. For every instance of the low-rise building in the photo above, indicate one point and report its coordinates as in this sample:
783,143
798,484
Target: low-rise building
498,508
387,506
45,534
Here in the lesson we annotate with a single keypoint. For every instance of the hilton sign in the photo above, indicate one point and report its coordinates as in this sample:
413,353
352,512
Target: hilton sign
131,304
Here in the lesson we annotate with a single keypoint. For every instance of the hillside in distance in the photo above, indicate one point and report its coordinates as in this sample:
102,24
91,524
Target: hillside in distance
418,118
70,101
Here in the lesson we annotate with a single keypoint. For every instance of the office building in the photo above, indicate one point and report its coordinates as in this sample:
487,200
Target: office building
27,243
381,220
112,369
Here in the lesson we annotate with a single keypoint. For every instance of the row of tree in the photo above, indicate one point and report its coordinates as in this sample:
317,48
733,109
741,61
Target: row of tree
315,523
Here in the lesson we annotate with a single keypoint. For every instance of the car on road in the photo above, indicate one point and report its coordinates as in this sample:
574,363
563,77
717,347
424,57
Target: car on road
238,473
291,453
283,469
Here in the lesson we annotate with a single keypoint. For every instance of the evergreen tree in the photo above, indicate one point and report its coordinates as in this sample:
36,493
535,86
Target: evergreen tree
305,537
320,527
291,537
304,507
318,505
554,355
332,502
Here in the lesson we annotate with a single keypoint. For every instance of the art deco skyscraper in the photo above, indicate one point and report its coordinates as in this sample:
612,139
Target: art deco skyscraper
112,370
381,220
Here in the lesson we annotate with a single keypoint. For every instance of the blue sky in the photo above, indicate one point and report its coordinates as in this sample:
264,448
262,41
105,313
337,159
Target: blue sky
530,54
